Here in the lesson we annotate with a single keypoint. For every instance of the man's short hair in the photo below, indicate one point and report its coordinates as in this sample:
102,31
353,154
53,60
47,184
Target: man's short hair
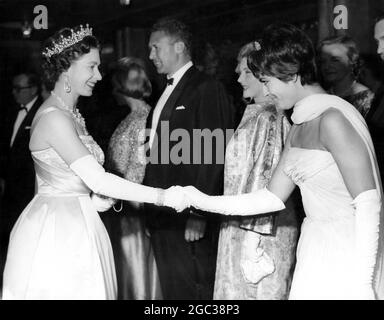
176,29
33,78
379,18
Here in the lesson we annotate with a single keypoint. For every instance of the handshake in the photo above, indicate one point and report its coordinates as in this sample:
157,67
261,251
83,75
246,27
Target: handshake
176,197
181,198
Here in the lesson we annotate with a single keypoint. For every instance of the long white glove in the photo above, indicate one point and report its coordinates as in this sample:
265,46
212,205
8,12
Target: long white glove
367,221
247,204
101,182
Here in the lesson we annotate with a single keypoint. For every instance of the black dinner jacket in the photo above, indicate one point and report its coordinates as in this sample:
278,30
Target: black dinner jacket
19,173
197,102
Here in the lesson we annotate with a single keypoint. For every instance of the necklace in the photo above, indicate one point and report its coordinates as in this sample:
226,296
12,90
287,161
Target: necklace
74,112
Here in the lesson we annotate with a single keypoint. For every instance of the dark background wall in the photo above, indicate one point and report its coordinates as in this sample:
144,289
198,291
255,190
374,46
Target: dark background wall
220,26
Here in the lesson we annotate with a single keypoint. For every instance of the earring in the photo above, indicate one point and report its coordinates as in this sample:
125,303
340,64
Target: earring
67,86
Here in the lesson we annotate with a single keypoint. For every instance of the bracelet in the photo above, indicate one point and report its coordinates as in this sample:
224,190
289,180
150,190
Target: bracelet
121,207
160,197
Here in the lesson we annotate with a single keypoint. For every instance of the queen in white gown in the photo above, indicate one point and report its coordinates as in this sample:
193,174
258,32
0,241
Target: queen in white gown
59,248
330,156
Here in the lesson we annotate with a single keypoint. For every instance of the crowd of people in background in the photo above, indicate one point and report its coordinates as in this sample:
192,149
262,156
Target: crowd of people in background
54,182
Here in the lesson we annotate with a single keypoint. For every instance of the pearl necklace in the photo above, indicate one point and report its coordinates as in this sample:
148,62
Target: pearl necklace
74,112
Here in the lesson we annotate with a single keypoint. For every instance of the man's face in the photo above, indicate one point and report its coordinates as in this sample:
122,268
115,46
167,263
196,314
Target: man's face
22,91
163,52
379,37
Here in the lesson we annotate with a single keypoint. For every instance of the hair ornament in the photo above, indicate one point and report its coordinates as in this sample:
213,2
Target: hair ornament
66,42
257,45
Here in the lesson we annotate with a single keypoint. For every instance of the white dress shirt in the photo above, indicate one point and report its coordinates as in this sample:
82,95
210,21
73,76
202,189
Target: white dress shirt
20,118
164,97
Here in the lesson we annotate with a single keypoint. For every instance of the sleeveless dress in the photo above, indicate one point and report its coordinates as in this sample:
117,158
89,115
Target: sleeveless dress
59,247
326,249
325,252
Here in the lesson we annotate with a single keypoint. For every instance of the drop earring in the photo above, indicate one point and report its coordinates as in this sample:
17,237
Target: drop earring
67,86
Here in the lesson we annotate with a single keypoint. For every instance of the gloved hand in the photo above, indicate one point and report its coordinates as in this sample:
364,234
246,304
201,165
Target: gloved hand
102,204
367,221
248,204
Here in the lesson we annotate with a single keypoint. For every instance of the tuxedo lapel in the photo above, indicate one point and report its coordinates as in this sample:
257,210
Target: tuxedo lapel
28,119
175,95
170,105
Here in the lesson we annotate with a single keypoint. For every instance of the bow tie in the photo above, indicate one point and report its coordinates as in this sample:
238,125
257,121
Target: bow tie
169,81
23,108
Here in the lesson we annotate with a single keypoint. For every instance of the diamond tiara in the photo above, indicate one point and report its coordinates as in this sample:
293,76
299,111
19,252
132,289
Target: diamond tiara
64,43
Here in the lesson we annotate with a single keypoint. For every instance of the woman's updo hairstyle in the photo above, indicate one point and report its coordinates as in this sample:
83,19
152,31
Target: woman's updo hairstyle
244,52
55,64
284,51
138,87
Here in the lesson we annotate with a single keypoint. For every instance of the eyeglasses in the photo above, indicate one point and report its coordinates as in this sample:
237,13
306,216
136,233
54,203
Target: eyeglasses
18,88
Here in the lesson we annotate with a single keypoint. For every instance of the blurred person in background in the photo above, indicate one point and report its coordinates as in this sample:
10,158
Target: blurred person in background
340,65
136,269
17,175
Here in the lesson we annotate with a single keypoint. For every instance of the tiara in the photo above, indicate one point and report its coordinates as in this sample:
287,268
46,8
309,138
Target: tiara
66,42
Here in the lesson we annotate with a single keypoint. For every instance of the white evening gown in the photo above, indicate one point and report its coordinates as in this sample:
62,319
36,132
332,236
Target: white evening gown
59,247
326,250
326,245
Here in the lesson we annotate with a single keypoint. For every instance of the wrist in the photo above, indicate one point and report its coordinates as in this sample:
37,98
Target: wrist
160,197
203,202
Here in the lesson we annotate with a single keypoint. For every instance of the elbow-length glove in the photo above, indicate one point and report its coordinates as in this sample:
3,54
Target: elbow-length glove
248,204
367,222
102,182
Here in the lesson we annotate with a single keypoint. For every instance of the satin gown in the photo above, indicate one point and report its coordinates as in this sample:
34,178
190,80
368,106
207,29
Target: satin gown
59,247
325,253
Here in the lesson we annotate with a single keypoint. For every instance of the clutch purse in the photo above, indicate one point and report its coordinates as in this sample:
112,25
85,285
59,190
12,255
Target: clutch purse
255,263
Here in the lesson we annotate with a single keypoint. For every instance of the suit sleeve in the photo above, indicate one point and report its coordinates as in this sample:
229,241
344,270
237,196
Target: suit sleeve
215,113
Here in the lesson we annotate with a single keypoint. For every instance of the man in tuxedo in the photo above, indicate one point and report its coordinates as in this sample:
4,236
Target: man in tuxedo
185,245
17,172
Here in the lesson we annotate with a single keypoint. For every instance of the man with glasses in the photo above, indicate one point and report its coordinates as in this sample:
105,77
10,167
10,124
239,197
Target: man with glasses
17,177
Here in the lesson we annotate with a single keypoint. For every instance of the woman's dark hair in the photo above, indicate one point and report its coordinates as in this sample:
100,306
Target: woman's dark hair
139,87
285,51
352,50
56,64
